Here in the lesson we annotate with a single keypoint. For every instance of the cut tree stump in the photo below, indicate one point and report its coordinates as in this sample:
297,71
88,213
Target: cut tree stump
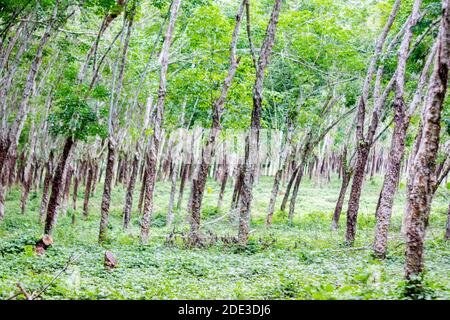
43,244
110,260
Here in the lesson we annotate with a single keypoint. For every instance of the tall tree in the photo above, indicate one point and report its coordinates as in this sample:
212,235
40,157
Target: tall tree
154,140
252,142
199,182
363,143
422,173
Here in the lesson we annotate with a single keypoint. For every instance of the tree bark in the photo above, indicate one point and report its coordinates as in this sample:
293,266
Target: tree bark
87,188
252,142
17,125
392,176
199,182
447,228
422,174
156,136
106,199
363,144
130,191
57,186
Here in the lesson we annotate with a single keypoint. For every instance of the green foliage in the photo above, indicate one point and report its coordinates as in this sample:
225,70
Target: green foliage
75,118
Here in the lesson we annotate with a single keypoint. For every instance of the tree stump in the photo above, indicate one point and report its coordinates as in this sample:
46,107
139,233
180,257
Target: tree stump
110,261
43,244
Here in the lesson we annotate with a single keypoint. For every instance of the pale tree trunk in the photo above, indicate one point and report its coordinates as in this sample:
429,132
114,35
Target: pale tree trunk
143,187
363,144
279,173
17,125
288,188
447,227
252,143
306,150
346,176
224,177
66,192
112,144
392,176
93,49
130,190
199,181
185,171
106,199
87,188
422,173
156,135
305,153
173,189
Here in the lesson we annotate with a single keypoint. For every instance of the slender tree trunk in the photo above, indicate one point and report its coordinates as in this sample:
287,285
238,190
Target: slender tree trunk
173,190
47,180
75,190
130,191
363,144
392,176
279,173
143,188
305,152
156,136
223,186
288,188
355,192
106,199
112,121
199,182
57,186
447,228
346,177
87,189
66,192
17,125
252,143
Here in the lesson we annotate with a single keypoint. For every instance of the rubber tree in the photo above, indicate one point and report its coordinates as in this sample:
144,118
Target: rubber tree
422,173
252,141
154,141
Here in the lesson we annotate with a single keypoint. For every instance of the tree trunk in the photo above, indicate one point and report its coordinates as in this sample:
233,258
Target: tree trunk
173,190
252,143
199,182
87,189
106,199
355,192
66,192
47,180
56,187
288,188
223,186
130,191
347,174
305,153
447,228
363,144
17,125
143,188
392,176
422,173
156,136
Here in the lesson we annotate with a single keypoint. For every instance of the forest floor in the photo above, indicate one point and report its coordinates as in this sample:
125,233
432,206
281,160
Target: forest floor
304,261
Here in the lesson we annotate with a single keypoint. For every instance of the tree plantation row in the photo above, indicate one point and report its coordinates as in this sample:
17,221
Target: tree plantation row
135,93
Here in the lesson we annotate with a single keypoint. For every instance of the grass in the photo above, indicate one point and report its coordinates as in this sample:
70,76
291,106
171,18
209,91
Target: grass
303,261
